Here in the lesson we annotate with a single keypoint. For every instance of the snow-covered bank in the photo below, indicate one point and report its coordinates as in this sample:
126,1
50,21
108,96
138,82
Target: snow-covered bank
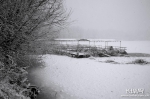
84,78
121,60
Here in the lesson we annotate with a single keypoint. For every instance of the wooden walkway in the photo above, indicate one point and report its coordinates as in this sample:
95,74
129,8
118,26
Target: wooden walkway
75,54
80,52
86,47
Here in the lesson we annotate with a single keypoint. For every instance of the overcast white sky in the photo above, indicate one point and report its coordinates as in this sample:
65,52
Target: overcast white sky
130,18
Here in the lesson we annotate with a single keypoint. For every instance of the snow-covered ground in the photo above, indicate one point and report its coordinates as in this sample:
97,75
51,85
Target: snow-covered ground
120,60
85,78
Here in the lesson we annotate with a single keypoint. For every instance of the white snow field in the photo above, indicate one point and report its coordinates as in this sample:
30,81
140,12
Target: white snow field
84,78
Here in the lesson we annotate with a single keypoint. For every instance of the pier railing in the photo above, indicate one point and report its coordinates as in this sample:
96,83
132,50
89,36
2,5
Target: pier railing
77,47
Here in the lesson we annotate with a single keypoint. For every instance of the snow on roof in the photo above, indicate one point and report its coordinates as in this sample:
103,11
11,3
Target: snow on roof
92,40
113,40
65,39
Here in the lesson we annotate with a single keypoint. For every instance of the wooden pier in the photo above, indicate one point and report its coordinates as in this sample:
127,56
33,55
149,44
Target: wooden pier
75,48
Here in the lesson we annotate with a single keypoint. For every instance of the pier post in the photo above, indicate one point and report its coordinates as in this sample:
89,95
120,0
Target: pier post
105,44
120,45
89,43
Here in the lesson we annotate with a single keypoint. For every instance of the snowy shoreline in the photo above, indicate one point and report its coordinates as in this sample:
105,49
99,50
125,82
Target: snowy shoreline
84,78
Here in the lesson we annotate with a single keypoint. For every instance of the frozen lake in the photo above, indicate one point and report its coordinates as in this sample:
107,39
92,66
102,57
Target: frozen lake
137,46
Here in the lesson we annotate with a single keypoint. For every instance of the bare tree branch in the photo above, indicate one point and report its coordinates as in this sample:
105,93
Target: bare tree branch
21,20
